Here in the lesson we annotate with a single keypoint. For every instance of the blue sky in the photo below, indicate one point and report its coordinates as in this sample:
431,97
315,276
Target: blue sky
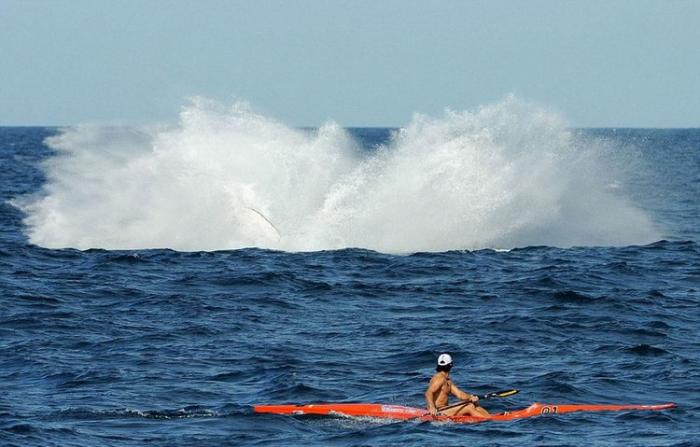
361,63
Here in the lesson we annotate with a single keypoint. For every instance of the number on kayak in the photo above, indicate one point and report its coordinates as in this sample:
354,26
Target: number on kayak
549,409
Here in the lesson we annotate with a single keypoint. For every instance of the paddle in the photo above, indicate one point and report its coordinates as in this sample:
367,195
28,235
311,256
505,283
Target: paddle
503,393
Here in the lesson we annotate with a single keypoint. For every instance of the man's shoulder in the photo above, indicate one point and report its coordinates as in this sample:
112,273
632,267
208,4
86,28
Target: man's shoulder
437,377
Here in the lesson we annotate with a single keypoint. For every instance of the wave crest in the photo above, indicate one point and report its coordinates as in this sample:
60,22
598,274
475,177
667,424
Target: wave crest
506,175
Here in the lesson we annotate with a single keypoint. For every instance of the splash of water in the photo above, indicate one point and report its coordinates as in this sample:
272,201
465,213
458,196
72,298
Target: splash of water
508,174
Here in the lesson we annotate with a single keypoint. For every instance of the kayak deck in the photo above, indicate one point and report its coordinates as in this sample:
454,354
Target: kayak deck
400,412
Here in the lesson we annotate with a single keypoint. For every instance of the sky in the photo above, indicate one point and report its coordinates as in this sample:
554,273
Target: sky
611,63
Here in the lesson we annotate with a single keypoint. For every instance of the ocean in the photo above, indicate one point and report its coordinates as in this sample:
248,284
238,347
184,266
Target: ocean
156,282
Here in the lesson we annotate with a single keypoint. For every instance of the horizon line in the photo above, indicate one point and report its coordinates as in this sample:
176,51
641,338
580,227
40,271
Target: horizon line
59,126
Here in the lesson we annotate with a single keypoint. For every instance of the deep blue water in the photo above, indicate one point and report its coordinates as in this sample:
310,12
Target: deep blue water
163,348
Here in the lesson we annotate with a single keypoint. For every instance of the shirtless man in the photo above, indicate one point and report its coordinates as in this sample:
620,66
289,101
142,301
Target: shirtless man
440,389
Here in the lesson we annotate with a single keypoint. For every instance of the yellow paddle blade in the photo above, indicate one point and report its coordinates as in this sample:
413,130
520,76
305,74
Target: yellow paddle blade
506,393
503,393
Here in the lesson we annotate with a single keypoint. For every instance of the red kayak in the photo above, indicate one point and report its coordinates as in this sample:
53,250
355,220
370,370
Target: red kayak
401,413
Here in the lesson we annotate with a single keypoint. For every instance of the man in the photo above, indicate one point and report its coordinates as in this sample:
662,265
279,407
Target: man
440,389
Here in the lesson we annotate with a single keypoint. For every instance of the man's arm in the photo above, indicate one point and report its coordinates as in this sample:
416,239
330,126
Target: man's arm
435,384
462,395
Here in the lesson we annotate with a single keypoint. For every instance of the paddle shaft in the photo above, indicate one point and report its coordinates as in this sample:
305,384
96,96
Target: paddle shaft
503,393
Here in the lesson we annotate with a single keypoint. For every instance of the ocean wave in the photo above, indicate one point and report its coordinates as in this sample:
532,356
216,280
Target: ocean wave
193,411
506,175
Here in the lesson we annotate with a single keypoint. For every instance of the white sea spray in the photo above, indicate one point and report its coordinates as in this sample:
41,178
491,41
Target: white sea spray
505,175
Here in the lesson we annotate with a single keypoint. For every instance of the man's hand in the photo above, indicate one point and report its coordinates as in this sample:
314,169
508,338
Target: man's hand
433,411
474,399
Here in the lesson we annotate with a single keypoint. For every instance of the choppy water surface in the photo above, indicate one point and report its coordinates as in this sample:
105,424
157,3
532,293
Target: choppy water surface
164,347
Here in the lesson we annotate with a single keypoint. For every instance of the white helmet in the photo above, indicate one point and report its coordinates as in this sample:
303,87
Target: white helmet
444,359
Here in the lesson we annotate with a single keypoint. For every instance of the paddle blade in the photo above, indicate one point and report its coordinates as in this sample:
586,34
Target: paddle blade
503,393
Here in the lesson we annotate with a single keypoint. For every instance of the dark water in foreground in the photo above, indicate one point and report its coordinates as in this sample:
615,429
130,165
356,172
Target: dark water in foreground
157,347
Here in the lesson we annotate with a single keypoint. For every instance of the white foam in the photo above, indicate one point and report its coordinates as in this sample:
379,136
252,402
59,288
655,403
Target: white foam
506,175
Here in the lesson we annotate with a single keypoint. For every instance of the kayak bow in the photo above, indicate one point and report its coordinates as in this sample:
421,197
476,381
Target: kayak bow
400,412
